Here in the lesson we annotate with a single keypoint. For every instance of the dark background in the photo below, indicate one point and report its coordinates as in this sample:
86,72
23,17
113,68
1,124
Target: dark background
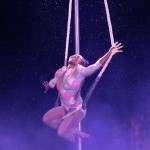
32,47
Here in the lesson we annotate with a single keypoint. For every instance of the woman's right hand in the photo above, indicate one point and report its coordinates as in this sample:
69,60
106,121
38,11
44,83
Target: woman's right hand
46,86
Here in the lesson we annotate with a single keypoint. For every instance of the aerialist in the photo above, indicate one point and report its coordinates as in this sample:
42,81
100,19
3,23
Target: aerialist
68,81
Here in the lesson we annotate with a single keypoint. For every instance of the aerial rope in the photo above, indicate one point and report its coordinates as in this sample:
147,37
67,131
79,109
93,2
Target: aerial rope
109,22
67,42
68,33
77,51
90,91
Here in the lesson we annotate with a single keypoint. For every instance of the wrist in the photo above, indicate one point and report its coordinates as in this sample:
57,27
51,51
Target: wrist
50,85
109,51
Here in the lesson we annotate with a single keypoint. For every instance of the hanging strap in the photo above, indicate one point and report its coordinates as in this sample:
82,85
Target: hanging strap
68,33
89,93
109,22
67,45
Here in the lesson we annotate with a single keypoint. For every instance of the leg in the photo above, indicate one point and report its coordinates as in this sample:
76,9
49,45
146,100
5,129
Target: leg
53,117
67,128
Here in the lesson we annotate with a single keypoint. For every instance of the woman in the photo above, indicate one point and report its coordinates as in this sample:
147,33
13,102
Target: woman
68,81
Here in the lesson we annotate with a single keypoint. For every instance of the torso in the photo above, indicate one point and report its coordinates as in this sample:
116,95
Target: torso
69,85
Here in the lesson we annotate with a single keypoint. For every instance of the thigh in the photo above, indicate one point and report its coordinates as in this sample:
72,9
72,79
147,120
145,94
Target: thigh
56,112
79,115
71,121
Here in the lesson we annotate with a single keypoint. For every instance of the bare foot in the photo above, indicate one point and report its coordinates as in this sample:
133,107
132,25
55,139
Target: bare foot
81,134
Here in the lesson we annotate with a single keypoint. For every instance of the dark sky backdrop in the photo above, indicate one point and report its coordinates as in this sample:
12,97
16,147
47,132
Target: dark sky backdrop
32,43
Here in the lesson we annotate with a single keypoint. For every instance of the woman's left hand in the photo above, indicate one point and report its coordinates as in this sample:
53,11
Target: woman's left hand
116,48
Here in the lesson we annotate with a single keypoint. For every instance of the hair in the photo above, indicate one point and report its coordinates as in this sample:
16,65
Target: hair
84,62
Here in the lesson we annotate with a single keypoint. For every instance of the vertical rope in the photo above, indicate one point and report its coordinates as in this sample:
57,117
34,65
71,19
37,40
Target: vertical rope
68,32
77,32
67,43
79,139
77,51
109,22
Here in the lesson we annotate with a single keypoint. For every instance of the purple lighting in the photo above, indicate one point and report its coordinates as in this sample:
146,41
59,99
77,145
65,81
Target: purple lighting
32,43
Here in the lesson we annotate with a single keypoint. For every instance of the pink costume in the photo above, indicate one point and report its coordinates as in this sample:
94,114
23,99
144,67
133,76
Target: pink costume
69,82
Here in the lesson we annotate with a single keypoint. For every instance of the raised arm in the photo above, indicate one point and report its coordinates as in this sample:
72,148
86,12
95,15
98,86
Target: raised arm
87,71
116,48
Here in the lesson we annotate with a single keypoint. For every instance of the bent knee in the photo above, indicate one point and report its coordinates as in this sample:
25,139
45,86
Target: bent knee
51,123
45,119
61,133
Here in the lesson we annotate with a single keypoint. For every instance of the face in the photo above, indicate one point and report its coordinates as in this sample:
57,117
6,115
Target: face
75,59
